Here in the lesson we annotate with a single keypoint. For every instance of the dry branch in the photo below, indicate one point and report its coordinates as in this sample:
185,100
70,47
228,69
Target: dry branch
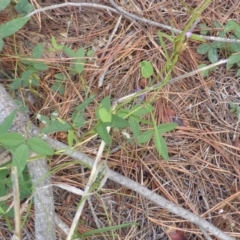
38,169
143,191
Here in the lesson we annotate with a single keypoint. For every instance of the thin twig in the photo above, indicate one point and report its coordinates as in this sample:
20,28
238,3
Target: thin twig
143,191
54,6
171,81
100,81
16,197
131,17
95,216
93,176
174,30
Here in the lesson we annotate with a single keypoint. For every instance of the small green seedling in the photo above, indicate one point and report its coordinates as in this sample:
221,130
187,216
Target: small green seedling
58,86
235,108
231,30
19,147
30,76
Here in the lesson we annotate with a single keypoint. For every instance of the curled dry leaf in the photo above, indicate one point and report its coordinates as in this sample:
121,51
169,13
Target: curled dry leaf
143,83
176,235
164,114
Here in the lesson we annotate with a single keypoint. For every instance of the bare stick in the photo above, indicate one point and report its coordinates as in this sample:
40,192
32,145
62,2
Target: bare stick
129,16
43,197
171,81
143,191
16,197
174,30
100,81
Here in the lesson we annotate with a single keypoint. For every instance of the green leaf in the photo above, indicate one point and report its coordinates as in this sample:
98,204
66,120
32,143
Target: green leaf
8,28
78,120
161,146
37,145
203,48
33,81
11,139
106,103
203,26
40,66
139,110
163,44
231,25
56,126
58,87
90,53
84,104
25,60
216,24
38,51
24,7
221,34
166,127
123,113
237,32
16,83
7,123
70,138
235,47
235,58
103,133
43,119
54,115
134,126
4,4
69,52
213,55
2,210
146,69
205,72
3,175
104,115
26,75
117,122
60,76
145,136
1,44
78,66
217,45
55,45
238,73
20,157
80,53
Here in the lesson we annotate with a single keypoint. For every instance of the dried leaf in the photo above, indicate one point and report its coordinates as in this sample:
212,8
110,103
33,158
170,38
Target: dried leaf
164,114
176,235
143,83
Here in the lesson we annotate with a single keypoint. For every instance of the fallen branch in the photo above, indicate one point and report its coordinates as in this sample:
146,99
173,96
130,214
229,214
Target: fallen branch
130,16
143,191
43,196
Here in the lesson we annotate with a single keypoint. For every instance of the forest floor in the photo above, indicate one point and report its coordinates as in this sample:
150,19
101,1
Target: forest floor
203,171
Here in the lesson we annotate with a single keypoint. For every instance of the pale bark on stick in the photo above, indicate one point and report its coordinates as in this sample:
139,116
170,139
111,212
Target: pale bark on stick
38,169
143,191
